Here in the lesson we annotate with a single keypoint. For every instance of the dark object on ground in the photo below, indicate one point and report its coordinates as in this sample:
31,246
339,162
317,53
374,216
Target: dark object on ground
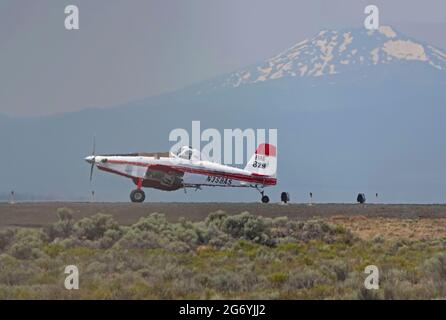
361,198
285,197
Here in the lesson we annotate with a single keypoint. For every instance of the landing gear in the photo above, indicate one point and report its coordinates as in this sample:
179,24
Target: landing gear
265,198
137,195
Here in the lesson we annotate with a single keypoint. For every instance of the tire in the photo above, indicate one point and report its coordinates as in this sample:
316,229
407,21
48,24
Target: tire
137,196
265,199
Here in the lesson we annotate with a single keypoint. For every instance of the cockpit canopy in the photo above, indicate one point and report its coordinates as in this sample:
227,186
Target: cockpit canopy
188,153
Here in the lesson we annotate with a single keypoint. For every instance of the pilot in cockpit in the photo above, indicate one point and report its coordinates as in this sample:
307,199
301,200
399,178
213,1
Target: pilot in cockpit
188,153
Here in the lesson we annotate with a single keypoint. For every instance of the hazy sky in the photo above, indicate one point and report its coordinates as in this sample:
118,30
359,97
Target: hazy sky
130,49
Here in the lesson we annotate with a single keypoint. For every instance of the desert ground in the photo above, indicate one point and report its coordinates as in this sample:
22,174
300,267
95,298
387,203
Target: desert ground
39,214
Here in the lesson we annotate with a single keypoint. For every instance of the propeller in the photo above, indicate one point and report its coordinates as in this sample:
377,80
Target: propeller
93,159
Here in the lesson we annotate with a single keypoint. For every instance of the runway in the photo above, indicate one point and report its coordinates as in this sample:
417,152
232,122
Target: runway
39,214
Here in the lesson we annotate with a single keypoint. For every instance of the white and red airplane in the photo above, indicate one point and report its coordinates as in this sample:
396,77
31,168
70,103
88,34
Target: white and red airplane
186,169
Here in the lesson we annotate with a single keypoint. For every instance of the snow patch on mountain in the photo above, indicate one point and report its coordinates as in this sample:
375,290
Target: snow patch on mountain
387,31
408,50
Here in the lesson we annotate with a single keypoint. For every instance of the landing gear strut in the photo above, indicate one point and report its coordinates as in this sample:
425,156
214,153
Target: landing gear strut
265,198
137,195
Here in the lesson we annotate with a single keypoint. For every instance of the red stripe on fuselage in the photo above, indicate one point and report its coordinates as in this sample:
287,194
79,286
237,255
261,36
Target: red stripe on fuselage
115,172
246,178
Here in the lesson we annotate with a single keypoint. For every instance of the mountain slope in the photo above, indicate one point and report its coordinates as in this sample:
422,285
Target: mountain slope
334,52
356,126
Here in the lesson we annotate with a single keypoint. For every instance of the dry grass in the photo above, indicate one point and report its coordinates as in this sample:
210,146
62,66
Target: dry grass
393,228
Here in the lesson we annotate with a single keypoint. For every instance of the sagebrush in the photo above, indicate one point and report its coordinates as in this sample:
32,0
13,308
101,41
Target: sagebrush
225,256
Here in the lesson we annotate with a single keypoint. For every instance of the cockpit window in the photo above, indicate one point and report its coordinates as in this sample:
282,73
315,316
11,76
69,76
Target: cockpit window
188,153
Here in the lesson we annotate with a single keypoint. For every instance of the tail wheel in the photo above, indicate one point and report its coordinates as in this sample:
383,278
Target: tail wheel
137,196
265,199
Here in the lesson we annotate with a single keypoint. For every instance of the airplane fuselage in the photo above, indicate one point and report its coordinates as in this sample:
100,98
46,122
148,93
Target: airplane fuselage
167,173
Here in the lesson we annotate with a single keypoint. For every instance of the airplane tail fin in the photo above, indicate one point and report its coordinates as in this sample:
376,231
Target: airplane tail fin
264,161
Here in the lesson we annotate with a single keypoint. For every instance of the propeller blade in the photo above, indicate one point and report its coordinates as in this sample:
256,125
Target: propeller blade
94,146
94,158
91,171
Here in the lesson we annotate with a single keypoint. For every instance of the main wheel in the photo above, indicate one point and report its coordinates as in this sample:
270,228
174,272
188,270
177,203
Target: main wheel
137,196
265,199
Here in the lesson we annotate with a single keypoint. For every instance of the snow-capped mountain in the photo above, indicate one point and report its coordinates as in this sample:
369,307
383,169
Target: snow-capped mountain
334,52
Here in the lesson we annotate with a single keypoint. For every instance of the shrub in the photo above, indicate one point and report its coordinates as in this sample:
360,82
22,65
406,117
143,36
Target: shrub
319,230
61,229
96,267
226,282
12,273
64,214
246,226
27,244
111,236
399,290
305,279
217,238
21,251
190,233
177,246
95,227
6,237
339,269
141,239
155,222
436,266
378,239
367,294
216,219
312,230
278,278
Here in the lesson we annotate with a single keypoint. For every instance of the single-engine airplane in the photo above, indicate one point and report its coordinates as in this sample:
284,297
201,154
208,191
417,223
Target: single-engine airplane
171,171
